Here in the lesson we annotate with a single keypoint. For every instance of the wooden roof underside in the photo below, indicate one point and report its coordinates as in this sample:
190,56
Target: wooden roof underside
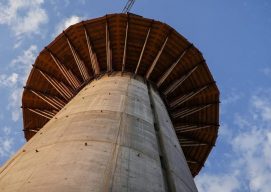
128,43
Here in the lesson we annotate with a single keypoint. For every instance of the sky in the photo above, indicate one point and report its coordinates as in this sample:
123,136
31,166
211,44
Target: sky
235,39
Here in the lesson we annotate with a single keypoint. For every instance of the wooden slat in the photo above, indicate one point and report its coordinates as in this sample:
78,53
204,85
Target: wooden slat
69,76
79,62
183,98
40,113
55,84
125,47
108,49
48,100
156,59
93,58
179,81
143,49
189,111
193,128
169,70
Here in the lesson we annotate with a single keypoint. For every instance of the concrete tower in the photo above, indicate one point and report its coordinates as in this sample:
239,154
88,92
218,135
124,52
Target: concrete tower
117,103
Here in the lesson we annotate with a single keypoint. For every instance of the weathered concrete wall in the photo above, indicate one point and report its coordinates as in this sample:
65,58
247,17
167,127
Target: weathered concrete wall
178,173
103,140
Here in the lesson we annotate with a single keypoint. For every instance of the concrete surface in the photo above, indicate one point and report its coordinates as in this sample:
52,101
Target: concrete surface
109,137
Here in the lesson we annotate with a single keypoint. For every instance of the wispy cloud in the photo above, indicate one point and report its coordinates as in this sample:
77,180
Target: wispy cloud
8,80
24,17
215,183
266,71
229,100
6,142
249,168
64,24
21,65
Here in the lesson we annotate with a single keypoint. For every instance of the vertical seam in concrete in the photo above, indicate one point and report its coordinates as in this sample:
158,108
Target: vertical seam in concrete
168,180
111,163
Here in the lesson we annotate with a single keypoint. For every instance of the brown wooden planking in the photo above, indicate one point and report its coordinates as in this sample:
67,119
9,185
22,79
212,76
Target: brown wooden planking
137,31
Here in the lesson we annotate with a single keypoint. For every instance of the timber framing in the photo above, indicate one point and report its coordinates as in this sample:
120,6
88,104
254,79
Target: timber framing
144,48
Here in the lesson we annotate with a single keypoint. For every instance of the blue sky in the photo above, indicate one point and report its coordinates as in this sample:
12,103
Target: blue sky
234,37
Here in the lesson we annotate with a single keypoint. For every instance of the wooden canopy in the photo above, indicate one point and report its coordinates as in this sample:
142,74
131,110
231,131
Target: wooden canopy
128,43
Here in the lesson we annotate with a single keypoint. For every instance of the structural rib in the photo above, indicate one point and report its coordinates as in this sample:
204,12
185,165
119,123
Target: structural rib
192,142
49,100
183,98
179,81
69,76
58,86
189,111
142,50
44,113
167,73
31,130
192,127
108,49
125,47
156,59
93,58
79,62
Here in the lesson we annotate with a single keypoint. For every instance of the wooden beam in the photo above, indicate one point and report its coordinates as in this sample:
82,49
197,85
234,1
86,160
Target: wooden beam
52,101
179,81
43,113
170,69
156,58
31,130
108,49
190,141
143,48
69,76
192,161
125,46
93,58
186,111
79,62
56,85
192,127
183,98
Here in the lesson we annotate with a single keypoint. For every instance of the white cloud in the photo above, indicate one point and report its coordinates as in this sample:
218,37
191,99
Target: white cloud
215,183
266,71
64,24
15,103
230,100
249,167
262,106
7,130
23,16
15,81
6,144
23,62
8,80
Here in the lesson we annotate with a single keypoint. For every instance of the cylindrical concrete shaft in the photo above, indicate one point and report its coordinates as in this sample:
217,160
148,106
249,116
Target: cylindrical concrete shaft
114,135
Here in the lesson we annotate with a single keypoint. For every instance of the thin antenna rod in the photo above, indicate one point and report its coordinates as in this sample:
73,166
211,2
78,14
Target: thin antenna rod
128,6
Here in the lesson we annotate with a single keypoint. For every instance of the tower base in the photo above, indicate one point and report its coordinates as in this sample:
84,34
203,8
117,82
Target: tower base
114,135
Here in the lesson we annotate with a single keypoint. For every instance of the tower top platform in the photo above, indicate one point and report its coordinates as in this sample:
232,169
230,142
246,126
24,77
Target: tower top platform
131,44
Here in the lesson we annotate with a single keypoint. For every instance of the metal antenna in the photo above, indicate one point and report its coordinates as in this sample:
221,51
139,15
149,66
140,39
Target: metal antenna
128,6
